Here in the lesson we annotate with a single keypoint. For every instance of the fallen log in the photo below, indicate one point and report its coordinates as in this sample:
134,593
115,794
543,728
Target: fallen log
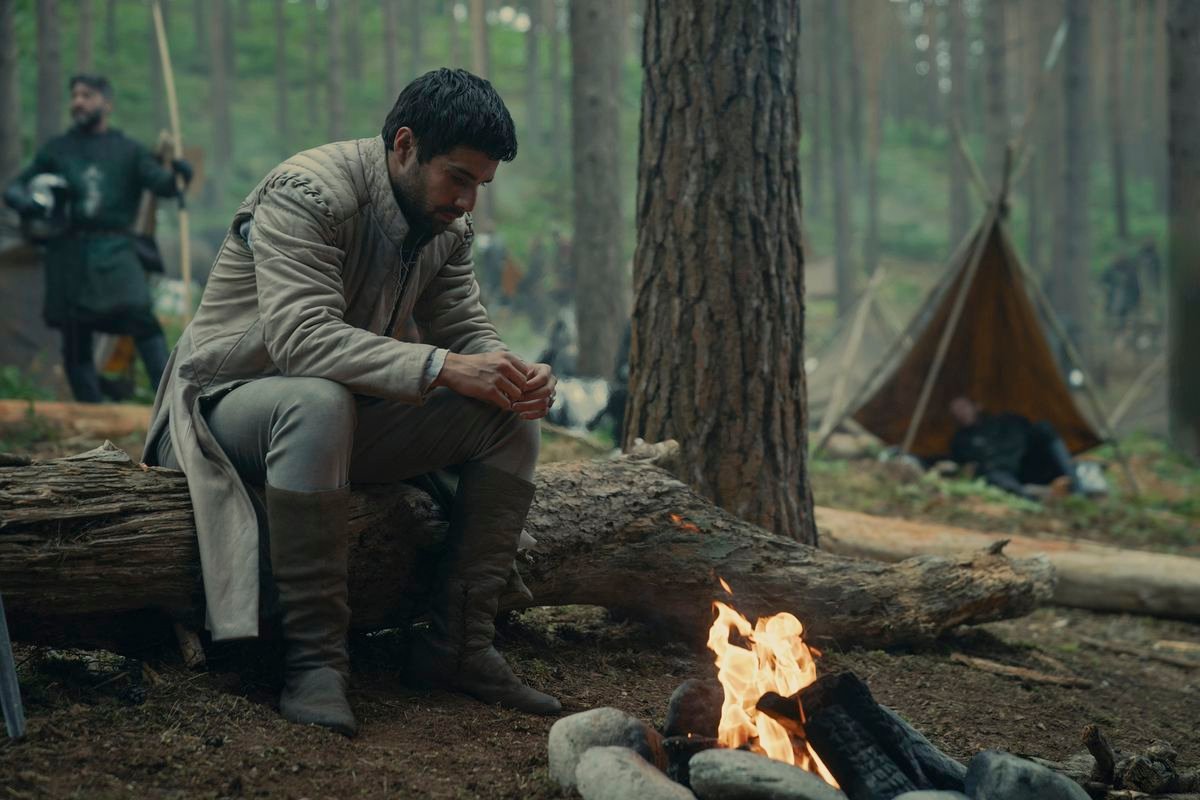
94,420
93,545
1090,575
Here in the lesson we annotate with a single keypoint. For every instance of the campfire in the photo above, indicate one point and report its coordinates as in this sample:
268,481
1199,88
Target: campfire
774,658
769,726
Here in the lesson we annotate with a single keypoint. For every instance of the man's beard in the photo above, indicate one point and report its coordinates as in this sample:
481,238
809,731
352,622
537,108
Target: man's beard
87,121
410,196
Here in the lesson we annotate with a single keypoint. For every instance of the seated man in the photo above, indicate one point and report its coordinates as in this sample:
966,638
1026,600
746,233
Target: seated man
1008,450
294,376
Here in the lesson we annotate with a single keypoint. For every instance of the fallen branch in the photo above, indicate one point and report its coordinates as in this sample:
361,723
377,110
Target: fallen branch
1022,673
93,547
1130,650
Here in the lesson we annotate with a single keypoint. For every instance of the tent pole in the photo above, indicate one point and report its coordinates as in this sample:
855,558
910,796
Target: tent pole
1136,388
903,342
955,314
1073,356
850,353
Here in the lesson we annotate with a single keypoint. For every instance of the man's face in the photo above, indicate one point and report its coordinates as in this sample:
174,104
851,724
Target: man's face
89,108
964,411
434,194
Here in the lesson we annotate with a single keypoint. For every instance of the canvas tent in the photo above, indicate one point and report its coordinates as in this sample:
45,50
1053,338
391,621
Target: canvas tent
979,335
845,362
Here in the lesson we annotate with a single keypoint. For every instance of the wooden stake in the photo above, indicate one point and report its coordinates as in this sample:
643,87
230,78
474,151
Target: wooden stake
185,254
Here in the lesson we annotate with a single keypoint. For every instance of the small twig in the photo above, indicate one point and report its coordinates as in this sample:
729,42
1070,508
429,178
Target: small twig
997,547
1130,650
1022,673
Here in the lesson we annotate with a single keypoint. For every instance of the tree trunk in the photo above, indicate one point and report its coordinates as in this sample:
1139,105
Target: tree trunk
316,74
933,99
850,50
1183,26
814,63
283,122
454,35
50,87
837,145
84,49
93,546
416,36
219,87
351,22
601,289
996,116
1072,280
336,76
10,95
158,91
200,27
110,30
873,37
717,357
1158,106
533,78
1116,61
960,198
557,134
392,83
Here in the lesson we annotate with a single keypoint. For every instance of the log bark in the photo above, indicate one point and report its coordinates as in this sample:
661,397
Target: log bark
94,545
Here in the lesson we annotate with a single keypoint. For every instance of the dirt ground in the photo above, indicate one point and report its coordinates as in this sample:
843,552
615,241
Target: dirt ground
102,725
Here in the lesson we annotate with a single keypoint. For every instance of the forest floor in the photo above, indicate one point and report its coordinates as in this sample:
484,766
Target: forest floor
102,725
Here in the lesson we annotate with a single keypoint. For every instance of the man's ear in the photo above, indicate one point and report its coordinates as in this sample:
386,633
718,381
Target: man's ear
405,145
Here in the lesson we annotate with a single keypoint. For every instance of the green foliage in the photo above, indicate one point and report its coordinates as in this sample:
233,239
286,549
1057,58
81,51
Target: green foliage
15,384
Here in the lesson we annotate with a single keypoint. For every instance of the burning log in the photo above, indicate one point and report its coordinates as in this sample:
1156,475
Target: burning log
94,547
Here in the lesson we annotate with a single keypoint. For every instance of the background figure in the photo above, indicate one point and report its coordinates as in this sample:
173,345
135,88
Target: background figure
81,195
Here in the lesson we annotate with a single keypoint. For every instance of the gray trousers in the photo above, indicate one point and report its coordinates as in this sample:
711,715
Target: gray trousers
312,434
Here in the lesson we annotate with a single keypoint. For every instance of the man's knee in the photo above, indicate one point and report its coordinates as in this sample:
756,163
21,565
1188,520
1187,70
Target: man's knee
318,404
516,450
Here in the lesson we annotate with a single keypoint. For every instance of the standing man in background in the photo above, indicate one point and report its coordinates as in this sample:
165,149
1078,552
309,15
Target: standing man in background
83,189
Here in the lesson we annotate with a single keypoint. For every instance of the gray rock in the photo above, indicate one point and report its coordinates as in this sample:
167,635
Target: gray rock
741,775
618,773
695,708
995,775
572,736
931,795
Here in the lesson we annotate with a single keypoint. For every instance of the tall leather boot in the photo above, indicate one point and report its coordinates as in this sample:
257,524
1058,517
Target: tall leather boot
308,560
486,519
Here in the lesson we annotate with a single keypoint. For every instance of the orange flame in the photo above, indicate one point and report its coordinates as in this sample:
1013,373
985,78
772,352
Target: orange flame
683,524
775,660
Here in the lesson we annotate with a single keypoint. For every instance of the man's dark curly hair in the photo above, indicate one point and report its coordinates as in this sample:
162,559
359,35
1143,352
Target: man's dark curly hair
446,108
97,83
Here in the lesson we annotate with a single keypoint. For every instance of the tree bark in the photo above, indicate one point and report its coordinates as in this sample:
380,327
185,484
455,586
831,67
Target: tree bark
93,546
873,38
84,46
717,356
1116,61
392,82
416,37
219,100
837,146
1071,259
50,88
814,64
336,69
1183,381
10,95
554,33
996,116
960,198
353,42
601,288
283,122
533,78
200,27
481,57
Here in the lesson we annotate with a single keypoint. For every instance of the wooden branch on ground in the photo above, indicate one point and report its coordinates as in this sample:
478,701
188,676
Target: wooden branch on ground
95,420
92,545
1021,673
1090,575
1140,652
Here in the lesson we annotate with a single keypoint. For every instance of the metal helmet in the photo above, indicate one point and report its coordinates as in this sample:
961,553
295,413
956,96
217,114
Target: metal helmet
52,194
